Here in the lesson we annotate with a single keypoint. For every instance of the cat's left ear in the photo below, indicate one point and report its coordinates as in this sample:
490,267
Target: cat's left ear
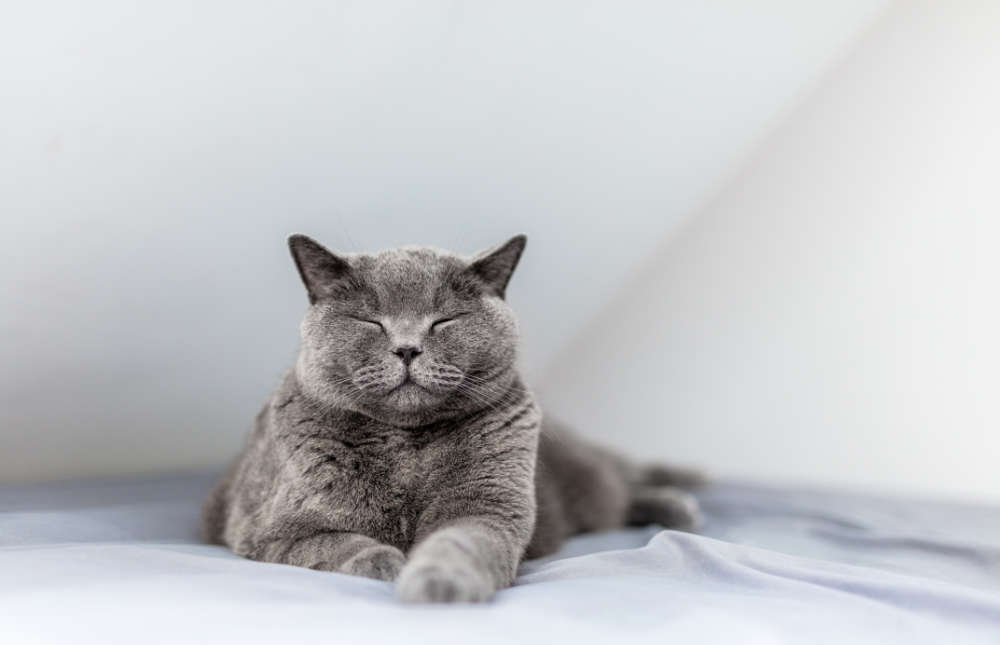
321,270
495,266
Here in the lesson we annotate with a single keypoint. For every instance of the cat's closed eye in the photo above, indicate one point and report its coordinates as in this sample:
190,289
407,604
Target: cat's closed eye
441,323
374,324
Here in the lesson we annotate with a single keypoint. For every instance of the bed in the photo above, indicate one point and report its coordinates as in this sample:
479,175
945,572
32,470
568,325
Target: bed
120,562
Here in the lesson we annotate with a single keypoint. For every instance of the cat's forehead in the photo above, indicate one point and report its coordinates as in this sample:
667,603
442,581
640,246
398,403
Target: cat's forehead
416,279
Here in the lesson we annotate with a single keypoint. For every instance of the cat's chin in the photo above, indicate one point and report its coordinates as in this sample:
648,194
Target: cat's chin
410,397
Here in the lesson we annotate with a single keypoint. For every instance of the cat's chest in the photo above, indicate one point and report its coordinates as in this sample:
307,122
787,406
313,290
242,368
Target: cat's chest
375,486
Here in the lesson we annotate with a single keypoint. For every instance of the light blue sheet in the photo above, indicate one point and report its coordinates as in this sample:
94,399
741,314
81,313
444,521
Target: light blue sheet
119,562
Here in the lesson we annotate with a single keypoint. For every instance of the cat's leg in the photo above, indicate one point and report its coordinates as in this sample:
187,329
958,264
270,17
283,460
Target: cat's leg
667,506
351,553
465,560
470,538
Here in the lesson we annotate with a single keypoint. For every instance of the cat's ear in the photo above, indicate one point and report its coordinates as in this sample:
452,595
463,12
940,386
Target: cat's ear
495,266
322,271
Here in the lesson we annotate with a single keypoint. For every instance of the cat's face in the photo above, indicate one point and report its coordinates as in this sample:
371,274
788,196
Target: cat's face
406,336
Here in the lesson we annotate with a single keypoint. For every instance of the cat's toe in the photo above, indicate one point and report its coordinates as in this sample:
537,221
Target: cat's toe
438,583
379,562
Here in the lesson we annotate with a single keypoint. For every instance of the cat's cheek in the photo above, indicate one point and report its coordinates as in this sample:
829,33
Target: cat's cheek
367,347
451,354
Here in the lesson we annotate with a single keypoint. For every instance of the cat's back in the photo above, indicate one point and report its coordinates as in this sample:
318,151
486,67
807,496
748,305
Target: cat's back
579,486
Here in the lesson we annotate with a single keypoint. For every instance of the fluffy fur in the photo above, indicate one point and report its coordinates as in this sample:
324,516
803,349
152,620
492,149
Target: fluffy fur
403,445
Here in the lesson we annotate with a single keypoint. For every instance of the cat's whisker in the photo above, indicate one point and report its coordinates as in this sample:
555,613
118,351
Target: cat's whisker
487,401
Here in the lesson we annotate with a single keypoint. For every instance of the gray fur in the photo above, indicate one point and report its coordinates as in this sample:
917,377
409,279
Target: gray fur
403,445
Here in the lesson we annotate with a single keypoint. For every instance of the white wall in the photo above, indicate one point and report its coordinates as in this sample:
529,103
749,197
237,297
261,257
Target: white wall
154,156
833,314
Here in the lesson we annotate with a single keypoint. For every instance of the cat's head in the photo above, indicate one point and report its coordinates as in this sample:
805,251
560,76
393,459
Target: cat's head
406,336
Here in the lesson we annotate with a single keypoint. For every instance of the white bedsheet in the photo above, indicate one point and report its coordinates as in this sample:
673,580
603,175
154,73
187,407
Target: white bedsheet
119,562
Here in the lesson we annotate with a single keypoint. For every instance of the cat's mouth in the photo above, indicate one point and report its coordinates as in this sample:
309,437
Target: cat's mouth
409,395
407,383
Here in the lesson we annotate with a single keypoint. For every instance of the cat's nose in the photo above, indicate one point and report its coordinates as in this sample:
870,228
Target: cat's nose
407,353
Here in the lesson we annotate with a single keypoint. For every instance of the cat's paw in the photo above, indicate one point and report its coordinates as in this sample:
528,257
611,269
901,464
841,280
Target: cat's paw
423,582
667,506
382,562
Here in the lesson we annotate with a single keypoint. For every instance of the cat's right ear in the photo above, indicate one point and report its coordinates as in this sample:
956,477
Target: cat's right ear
321,270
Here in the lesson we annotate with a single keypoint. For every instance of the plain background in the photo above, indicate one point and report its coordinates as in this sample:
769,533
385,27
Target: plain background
760,232
833,313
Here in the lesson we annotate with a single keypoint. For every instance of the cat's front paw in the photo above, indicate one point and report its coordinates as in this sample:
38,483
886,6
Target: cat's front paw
443,582
382,562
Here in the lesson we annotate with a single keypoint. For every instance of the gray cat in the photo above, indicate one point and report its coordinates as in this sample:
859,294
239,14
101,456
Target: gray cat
403,445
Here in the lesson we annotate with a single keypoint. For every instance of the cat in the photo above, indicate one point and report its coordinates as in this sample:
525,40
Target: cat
403,445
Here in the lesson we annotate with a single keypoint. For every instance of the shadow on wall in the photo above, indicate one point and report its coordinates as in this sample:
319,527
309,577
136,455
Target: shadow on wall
831,315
